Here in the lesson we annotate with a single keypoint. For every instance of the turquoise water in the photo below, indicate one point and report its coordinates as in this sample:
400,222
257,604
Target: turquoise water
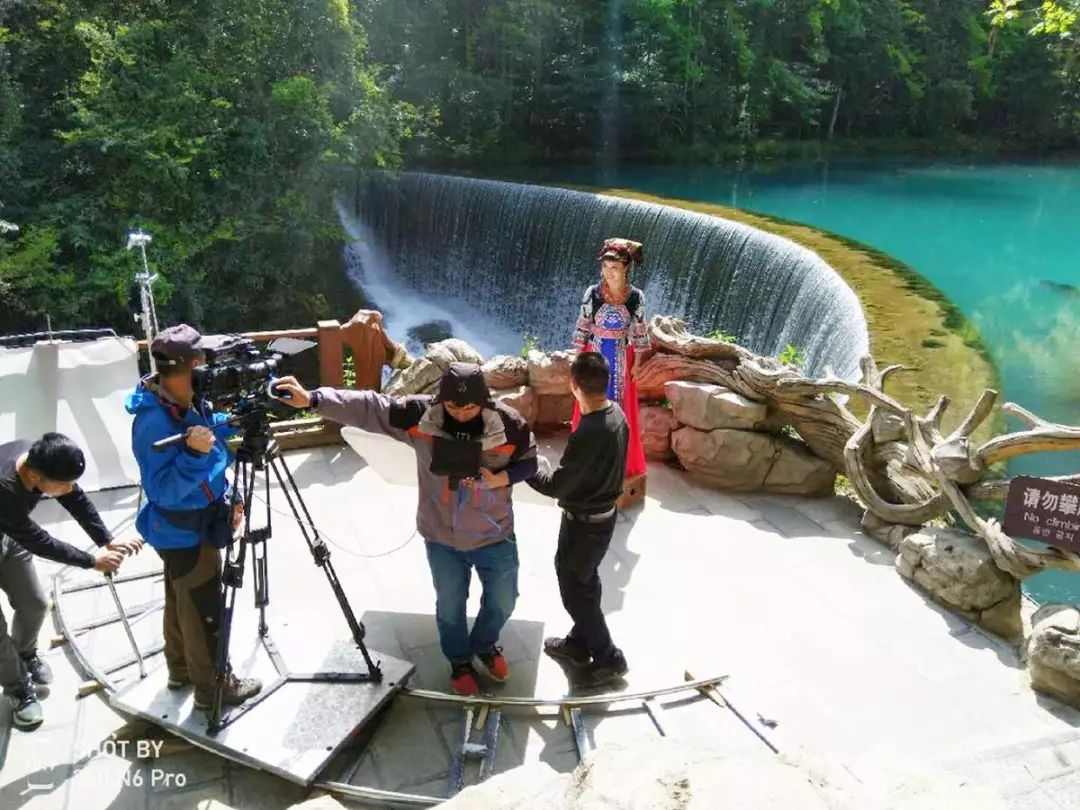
1001,240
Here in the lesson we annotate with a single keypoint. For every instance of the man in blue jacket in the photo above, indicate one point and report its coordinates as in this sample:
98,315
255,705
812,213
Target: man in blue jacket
189,513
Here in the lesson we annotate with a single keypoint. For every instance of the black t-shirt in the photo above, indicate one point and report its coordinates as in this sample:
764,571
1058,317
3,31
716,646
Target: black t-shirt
589,478
17,502
464,431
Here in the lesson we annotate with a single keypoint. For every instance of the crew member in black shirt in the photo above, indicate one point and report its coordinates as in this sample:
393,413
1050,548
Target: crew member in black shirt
587,483
28,473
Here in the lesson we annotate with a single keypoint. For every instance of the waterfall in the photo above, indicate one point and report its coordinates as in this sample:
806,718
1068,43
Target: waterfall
499,260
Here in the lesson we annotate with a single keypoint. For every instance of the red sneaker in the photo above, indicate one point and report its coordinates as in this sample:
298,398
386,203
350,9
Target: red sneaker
463,680
495,664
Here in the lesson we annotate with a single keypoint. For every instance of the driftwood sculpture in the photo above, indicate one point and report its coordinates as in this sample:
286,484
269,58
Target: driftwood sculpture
904,469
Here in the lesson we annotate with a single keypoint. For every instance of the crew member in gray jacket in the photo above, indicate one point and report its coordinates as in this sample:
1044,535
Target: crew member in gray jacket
470,451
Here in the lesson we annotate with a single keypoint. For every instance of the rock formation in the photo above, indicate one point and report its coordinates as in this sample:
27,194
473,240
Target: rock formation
957,570
1054,652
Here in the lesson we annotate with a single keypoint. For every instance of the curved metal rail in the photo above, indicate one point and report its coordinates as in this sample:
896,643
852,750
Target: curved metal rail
88,667
566,701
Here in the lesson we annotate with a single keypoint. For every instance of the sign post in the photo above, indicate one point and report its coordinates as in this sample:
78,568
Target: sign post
1048,511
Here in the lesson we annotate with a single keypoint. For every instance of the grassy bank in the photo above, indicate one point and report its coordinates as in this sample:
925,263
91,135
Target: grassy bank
909,320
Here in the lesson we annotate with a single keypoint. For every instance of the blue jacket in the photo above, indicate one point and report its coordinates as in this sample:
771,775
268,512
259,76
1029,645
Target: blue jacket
175,478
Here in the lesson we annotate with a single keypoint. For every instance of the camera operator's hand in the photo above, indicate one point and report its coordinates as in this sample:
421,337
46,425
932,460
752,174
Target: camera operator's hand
199,438
132,546
495,480
298,396
106,560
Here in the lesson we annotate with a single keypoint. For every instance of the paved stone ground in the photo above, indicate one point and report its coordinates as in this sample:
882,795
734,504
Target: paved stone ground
806,615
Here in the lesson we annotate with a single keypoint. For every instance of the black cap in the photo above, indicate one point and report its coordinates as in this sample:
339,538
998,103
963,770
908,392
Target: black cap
176,345
464,384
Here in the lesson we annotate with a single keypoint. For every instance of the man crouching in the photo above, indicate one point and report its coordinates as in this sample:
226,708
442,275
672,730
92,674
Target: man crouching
470,451
189,513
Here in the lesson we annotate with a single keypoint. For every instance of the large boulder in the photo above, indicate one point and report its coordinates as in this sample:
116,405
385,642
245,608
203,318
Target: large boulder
422,376
506,371
554,409
418,378
958,570
1054,652
745,461
711,407
549,372
450,351
646,775
657,424
522,399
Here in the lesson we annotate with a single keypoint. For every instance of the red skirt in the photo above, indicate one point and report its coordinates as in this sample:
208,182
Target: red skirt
635,450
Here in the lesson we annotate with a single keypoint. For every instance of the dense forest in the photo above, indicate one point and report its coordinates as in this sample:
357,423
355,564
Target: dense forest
224,128
714,79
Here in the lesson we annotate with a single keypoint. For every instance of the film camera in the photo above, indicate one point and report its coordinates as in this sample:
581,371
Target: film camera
238,372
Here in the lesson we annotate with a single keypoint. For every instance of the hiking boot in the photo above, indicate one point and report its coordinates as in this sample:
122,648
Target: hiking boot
568,650
463,680
40,672
495,663
27,713
236,691
606,672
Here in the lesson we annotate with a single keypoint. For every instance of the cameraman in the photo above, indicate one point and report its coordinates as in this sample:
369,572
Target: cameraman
466,518
189,514
28,472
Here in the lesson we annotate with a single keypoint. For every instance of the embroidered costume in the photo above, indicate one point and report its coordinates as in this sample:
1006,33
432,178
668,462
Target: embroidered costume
615,327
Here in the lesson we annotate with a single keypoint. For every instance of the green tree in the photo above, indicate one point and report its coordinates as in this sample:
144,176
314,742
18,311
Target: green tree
222,128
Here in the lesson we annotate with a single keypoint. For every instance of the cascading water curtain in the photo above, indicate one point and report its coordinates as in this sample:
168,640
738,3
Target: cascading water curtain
521,256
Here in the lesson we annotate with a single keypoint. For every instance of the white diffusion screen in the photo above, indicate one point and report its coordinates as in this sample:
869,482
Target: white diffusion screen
77,389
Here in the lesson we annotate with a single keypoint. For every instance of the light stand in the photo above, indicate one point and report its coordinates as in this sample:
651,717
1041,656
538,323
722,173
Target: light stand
147,315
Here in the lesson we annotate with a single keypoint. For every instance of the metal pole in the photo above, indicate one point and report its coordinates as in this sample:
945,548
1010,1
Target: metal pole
148,314
127,625
152,311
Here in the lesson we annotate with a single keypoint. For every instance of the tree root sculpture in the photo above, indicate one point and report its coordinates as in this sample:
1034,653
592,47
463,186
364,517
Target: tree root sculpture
902,467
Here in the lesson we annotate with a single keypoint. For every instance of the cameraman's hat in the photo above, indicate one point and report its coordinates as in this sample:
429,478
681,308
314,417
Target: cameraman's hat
176,345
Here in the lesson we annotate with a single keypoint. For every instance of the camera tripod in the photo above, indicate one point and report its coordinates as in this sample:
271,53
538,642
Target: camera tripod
256,456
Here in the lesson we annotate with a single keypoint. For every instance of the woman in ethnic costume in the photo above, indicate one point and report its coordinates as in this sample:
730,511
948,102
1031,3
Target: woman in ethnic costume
612,322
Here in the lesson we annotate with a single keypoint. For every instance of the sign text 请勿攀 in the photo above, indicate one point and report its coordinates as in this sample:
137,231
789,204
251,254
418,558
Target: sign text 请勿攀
1044,510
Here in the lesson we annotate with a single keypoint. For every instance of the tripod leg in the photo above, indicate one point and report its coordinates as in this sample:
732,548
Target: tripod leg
321,555
259,563
232,577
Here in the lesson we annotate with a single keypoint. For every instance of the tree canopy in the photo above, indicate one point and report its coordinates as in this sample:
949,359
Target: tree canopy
222,128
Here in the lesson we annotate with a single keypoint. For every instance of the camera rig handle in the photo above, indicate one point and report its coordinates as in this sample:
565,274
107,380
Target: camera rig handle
178,438
162,444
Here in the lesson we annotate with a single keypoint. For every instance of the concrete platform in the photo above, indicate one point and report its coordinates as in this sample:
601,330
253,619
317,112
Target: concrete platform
817,631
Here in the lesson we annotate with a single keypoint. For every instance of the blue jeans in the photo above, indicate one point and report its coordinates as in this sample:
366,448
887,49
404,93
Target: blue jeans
451,570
